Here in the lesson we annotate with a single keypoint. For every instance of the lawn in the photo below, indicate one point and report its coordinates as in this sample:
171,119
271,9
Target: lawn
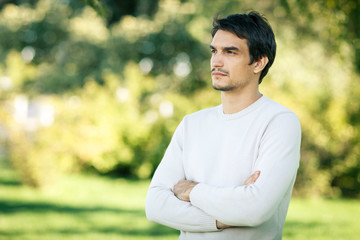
89,207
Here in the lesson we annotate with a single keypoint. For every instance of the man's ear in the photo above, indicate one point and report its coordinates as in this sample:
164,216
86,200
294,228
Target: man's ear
260,64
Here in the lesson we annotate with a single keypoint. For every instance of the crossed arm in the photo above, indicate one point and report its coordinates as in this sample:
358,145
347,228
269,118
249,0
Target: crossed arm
212,208
170,204
183,189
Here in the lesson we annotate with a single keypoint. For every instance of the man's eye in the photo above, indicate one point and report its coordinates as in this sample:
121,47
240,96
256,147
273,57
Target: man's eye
213,51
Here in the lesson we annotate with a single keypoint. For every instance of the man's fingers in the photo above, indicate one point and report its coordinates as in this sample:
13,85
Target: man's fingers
177,186
221,225
252,179
181,184
256,175
183,188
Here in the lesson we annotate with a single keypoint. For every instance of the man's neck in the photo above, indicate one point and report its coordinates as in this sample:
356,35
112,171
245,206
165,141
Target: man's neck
233,102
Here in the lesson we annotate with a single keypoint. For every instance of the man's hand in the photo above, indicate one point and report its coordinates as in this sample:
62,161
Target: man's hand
252,179
221,225
183,188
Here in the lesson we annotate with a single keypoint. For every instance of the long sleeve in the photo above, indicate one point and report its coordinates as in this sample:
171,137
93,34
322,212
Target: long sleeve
161,204
278,161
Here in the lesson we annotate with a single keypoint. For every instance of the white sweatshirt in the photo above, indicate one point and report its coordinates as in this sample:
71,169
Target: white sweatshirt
220,151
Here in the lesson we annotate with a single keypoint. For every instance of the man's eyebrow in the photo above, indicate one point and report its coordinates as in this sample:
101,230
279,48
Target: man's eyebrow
231,48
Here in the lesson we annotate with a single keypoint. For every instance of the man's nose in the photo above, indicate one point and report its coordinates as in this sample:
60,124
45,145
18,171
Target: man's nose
217,61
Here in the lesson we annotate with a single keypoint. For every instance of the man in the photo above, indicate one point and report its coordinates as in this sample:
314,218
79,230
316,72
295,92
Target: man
229,171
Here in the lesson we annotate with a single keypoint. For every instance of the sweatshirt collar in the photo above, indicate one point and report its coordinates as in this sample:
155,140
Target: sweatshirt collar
243,112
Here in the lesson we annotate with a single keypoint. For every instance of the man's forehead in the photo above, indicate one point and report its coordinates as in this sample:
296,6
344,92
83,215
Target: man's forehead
223,39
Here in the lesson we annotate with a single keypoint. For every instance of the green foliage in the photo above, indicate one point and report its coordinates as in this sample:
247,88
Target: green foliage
82,89
97,6
319,94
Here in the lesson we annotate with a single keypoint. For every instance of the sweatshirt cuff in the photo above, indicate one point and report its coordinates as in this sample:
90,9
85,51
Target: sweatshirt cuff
209,224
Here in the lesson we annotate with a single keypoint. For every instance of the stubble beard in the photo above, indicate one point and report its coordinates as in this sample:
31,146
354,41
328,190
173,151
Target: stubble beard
231,86
224,89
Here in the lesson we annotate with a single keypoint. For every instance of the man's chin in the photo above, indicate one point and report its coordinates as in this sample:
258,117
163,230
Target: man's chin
223,88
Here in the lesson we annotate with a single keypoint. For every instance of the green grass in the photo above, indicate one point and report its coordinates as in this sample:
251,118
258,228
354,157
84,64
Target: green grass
88,207
323,219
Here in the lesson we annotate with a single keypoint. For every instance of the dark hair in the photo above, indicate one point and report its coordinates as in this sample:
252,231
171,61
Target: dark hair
256,30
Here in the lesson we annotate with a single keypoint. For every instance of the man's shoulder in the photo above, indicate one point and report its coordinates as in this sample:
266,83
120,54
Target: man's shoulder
276,107
275,110
203,113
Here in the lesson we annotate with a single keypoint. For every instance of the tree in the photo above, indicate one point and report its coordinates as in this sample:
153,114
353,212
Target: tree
120,75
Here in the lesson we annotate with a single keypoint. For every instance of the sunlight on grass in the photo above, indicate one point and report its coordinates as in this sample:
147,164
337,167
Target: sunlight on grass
78,207
322,219
90,207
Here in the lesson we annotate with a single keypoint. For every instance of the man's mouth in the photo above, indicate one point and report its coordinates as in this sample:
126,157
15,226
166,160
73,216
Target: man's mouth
219,72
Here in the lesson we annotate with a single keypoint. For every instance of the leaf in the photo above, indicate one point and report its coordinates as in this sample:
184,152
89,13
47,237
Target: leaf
98,7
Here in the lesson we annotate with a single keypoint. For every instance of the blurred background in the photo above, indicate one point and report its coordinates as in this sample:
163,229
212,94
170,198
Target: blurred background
96,88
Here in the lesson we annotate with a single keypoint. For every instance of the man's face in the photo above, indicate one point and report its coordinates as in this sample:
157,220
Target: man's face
229,63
